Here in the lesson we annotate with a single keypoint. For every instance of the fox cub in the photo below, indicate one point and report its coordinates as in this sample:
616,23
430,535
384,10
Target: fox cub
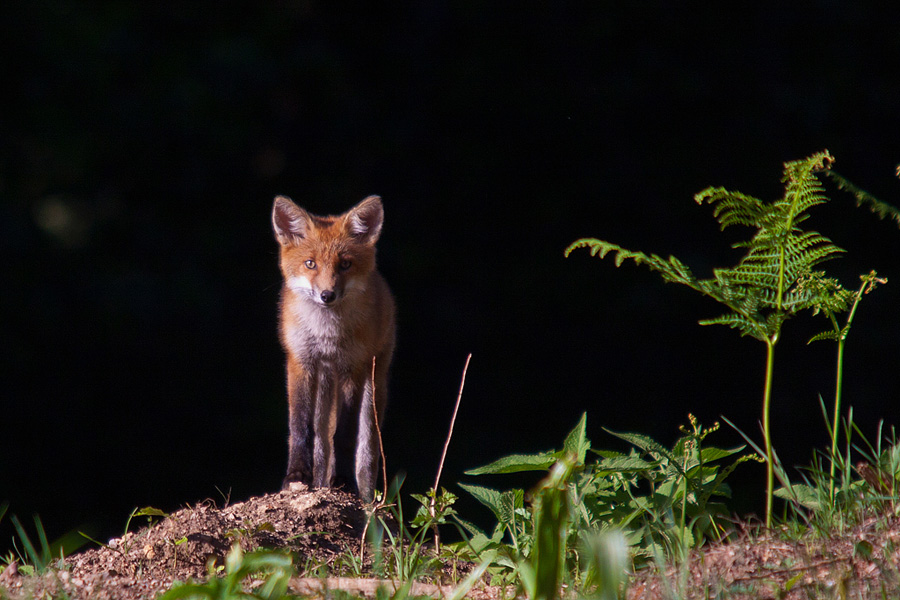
337,313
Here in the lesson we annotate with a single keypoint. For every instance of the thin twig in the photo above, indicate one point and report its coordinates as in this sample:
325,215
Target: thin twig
797,569
369,588
378,429
437,480
462,384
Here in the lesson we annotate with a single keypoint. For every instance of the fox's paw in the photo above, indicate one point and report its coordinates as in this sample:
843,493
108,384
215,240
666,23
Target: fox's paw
296,481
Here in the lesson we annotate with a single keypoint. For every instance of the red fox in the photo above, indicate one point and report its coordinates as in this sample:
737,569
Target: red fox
337,313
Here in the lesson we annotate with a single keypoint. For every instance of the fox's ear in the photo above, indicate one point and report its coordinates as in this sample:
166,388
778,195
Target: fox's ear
289,221
364,220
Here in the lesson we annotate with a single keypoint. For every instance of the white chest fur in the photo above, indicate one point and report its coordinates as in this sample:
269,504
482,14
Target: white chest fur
314,330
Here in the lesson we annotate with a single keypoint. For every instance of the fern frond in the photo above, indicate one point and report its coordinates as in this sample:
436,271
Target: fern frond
825,335
799,299
601,248
675,271
801,168
747,275
743,324
802,192
671,269
819,293
732,208
806,250
882,210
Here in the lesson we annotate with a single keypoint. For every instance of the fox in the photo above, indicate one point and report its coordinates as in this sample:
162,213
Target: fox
337,314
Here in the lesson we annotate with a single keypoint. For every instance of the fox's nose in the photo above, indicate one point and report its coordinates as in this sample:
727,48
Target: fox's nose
328,296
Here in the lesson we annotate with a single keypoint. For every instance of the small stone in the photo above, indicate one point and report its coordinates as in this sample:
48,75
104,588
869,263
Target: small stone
298,486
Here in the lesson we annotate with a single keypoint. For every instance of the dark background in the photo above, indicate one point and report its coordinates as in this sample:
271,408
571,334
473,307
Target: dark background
142,146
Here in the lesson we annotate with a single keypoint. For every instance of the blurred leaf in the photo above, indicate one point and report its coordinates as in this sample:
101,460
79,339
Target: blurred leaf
516,463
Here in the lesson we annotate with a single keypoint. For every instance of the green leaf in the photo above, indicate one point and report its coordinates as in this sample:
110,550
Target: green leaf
516,463
266,560
576,442
711,454
502,504
624,464
471,528
644,442
149,511
803,494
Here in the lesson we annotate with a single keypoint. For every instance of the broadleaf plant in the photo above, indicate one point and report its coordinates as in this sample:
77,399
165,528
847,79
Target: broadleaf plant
771,283
652,498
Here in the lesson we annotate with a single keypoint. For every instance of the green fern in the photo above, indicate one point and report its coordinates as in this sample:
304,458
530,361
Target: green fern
766,286
774,280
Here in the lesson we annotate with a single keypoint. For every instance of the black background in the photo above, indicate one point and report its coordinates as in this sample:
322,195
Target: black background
142,146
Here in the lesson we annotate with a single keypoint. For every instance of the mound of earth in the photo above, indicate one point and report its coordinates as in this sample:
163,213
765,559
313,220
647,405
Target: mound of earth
317,525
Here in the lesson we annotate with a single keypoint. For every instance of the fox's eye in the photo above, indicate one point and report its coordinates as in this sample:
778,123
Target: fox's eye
345,264
310,264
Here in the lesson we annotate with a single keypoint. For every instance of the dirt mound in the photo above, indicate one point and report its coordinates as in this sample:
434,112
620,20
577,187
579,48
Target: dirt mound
316,525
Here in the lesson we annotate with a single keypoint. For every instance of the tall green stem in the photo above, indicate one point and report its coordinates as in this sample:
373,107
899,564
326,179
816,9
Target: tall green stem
767,397
684,494
868,284
837,407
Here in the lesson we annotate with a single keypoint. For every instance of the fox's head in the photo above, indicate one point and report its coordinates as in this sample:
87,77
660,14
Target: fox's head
325,258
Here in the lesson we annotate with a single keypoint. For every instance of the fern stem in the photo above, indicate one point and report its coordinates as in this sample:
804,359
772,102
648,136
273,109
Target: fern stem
837,406
767,396
781,290
684,494
867,285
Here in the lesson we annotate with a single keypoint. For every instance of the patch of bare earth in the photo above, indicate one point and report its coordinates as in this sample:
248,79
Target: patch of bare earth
861,564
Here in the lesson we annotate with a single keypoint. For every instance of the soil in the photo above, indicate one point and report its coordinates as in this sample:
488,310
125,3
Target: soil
862,563
319,527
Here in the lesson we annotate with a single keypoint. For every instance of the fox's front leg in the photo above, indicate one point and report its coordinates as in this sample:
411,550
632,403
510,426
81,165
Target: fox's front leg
325,420
301,408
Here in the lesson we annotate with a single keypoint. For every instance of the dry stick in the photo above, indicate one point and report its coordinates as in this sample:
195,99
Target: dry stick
378,429
437,480
320,587
797,569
